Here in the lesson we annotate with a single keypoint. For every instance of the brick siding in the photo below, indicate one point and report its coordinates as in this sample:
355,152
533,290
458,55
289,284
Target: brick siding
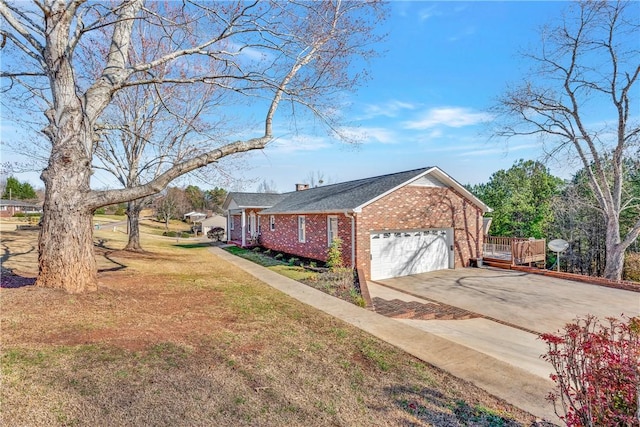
413,207
285,236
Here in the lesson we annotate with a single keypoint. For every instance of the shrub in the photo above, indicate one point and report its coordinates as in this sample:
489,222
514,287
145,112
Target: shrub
100,211
356,297
632,267
597,374
279,256
293,260
216,234
120,211
19,215
334,255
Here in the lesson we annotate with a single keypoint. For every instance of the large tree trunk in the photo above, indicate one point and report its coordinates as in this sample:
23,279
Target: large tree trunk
614,264
133,217
66,256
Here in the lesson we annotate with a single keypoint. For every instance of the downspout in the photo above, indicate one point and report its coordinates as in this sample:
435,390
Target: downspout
353,238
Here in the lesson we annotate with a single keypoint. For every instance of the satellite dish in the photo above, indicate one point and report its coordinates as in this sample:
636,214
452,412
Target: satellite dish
558,245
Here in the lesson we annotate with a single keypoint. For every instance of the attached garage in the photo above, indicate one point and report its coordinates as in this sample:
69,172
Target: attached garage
407,252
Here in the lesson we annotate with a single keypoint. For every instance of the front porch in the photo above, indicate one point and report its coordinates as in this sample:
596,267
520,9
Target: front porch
508,251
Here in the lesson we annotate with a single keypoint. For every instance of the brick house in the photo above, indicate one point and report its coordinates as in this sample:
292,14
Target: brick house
9,208
391,225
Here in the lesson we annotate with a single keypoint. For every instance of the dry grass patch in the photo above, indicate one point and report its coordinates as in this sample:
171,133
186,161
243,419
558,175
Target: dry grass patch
177,336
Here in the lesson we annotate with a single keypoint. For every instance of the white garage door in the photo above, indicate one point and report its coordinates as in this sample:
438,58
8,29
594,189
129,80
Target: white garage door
408,252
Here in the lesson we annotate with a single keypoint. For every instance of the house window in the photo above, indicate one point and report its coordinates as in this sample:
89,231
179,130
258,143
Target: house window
259,224
332,229
231,223
302,235
272,222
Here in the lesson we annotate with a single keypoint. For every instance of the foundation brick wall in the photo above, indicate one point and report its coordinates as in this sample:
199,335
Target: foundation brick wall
285,236
414,207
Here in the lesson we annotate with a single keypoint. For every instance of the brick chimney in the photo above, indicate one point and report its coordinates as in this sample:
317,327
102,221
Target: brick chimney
302,187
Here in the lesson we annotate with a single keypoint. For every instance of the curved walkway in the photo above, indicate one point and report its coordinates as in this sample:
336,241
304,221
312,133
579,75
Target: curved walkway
518,386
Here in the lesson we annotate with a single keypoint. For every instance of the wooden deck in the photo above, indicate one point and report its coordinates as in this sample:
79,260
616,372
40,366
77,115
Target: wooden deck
514,251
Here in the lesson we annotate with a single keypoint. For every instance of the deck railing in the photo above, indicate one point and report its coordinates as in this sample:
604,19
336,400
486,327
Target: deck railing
517,250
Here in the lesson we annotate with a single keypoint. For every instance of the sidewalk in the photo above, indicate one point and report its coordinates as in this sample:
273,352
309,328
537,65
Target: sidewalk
520,387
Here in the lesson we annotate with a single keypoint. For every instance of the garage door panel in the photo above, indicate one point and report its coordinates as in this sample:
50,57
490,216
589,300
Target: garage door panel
411,252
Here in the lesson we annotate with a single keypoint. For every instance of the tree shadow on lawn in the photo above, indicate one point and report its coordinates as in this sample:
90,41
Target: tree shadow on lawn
431,406
10,280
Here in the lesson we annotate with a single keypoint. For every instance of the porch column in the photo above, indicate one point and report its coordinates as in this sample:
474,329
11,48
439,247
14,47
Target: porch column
229,225
243,226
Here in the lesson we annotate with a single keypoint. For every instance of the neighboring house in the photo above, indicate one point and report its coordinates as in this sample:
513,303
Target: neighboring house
9,208
202,226
194,216
391,225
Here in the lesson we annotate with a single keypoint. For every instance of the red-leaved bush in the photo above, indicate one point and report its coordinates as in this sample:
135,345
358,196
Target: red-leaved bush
597,372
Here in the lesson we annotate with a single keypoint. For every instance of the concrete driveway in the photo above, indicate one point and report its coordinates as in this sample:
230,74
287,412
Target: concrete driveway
514,307
531,301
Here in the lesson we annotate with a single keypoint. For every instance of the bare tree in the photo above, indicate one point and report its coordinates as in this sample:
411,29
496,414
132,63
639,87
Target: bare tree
147,129
588,63
267,187
172,203
317,178
265,52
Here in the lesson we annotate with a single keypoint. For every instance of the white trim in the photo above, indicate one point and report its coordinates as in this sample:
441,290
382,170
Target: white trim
302,229
243,225
331,236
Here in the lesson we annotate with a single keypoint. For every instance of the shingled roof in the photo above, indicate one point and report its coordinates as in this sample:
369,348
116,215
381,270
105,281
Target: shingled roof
254,200
343,196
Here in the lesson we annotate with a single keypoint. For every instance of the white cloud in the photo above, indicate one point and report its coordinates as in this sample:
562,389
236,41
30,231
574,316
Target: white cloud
389,109
466,32
455,117
504,150
426,13
369,135
298,143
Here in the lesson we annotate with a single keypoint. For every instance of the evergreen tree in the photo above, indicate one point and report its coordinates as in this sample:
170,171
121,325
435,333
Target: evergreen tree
521,198
17,190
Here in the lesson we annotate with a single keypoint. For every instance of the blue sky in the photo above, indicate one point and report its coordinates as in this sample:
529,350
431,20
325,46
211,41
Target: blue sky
444,64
